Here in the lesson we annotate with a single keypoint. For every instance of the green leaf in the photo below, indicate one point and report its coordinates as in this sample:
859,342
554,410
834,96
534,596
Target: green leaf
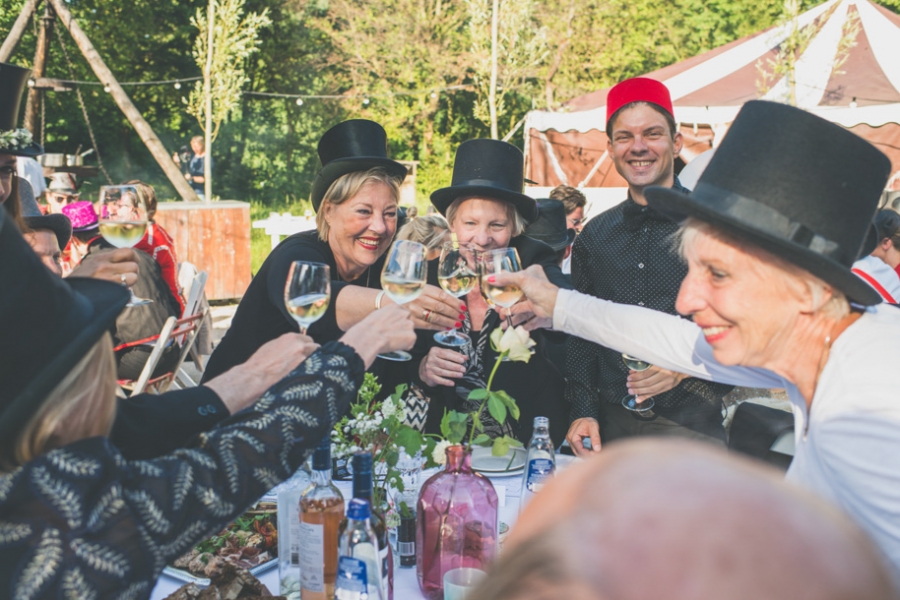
510,403
476,421
497,408
445,424
478,394
399,391
513,442
457,432
500,447
428,453
409,439
391,457
481,439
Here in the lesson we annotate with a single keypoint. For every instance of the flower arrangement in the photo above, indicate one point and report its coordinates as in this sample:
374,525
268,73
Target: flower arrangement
15,139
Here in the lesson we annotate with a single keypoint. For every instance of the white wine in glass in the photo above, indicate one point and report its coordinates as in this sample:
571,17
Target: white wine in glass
123,221
307,292
403,279
456,274
498,261
630,402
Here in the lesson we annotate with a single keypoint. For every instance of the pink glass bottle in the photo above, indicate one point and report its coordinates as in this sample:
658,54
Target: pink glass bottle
456,523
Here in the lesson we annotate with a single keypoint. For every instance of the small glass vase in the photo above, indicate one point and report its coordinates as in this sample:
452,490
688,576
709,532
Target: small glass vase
456,523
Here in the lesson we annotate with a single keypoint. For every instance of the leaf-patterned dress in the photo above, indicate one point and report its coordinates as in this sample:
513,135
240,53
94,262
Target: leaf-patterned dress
82,522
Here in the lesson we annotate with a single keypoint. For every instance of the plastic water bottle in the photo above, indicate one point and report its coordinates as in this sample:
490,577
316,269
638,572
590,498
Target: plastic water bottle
288,494
540,463
359,565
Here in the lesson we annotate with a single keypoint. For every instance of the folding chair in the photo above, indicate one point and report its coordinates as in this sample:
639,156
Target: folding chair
182,332
194,294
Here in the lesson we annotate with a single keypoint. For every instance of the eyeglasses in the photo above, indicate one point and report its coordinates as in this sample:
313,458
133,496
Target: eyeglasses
6,173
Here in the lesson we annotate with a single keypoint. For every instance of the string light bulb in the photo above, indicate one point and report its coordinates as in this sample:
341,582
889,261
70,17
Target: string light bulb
366,101
106,88
30,83
177,85
433,95
299,101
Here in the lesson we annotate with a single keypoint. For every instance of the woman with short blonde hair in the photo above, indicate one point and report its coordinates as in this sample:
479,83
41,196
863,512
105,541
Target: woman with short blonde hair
770,239
355,196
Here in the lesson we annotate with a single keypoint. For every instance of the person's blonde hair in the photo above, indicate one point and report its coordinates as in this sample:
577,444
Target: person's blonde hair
346,186
430,231
836,307
82,405
517,220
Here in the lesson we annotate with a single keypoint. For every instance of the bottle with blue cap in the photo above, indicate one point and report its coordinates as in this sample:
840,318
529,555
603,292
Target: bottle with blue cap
540,462
359,565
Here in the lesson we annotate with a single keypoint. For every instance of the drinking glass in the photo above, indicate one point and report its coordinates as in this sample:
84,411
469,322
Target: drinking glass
496,261
307,292
123,222
456,274
630,402
403,279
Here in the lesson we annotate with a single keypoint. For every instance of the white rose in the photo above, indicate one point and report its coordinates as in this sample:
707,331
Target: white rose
514,340
440,452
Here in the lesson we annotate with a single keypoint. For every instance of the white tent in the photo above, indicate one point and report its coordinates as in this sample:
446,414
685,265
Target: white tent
569,146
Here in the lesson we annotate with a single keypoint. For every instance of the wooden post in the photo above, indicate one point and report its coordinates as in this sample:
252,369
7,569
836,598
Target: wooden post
163,159
207,92
35,96
18,28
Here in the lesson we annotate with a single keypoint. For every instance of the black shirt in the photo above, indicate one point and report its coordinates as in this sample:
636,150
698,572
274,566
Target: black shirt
627,255
262,315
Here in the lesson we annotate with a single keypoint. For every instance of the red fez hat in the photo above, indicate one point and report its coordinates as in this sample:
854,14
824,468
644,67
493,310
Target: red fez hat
638,89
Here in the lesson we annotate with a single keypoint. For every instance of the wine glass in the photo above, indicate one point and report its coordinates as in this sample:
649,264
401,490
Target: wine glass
403,279
456,275
496,261
123,222
307,292
630,402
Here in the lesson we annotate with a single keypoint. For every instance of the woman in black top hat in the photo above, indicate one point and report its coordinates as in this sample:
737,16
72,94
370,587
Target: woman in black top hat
485,206
78,520
355,196
770,234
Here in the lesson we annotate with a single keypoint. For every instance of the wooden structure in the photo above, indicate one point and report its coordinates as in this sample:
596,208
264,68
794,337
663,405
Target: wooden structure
58,8
215,237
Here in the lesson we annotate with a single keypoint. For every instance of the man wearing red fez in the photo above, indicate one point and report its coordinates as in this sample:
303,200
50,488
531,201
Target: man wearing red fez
624,255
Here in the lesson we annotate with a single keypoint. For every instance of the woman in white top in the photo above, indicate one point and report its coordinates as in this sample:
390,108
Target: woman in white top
771,232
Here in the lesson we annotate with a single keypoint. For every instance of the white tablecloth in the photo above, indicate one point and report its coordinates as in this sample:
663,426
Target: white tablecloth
406,587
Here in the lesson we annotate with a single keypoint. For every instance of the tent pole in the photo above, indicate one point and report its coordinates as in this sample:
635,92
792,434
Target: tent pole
137,121
18,28
41,53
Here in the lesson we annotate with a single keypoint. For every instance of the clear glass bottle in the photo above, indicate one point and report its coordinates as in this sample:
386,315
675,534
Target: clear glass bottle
321,511
404,544
288,495
540,462
363,488
359,565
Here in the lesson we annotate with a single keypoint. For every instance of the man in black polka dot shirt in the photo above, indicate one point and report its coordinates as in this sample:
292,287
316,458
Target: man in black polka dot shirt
625,255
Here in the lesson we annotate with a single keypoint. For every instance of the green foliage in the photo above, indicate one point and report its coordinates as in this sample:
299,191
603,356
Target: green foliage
267,151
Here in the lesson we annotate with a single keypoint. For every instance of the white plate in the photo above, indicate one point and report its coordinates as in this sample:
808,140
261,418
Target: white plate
484,462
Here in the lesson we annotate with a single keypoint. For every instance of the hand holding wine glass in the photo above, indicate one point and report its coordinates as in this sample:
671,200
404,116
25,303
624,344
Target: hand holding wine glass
630,402
403,279
492,262
123,221
456,274
307,292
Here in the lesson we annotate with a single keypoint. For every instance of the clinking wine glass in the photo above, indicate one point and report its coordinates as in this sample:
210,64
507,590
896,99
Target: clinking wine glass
496,261
403,279
307,292
630,402
456,274
123,221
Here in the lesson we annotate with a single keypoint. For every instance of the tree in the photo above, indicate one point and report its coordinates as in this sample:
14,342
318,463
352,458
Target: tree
227,38
508,45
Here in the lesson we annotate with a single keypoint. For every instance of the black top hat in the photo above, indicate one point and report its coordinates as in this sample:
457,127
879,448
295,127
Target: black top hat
491,169
550,226
793,184
48,325
355,145
60,225
18,142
